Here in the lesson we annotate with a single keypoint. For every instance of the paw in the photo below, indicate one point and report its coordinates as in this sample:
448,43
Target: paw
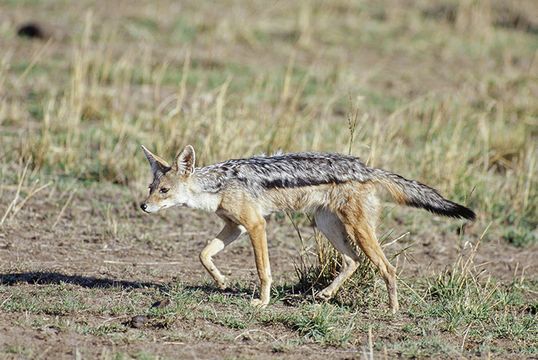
223,283
258,303
393,301
325,295
394,307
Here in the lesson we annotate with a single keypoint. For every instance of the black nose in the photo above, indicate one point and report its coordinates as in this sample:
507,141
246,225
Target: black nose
143,206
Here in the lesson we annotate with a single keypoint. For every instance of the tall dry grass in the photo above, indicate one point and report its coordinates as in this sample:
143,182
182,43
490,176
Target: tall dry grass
290,78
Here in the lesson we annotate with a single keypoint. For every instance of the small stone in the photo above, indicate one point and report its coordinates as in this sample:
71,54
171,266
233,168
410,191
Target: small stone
139,321
161,304
40,30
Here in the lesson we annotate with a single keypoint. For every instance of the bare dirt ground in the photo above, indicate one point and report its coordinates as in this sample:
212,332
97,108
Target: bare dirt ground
104,252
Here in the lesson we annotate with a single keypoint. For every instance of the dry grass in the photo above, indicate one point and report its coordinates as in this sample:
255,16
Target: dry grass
456,100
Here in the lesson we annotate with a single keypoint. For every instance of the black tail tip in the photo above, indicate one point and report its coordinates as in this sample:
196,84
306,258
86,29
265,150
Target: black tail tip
460,211
446,208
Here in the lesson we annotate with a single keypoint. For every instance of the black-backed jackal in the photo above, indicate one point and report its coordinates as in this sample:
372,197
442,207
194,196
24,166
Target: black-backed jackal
340,190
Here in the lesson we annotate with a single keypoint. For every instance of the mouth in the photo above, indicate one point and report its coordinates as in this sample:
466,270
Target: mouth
149,210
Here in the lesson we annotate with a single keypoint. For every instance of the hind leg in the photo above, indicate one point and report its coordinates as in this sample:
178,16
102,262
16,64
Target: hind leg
333,229
362,230
369,244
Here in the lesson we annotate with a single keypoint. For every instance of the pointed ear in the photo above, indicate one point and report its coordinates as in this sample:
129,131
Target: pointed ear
158,165
184,163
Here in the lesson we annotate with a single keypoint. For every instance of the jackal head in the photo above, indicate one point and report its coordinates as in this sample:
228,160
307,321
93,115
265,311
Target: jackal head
171,185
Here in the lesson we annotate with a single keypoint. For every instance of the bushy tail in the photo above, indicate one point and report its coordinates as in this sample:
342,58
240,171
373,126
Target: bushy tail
413,193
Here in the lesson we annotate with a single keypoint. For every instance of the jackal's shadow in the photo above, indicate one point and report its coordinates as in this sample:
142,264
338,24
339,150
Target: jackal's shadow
47,278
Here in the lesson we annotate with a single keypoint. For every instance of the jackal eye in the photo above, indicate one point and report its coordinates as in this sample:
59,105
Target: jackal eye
163,190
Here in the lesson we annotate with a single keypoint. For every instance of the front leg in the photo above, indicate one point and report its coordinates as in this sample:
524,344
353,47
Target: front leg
256,230
228,234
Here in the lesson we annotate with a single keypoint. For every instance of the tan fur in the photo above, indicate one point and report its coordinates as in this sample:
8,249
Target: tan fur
360,227
158,159
345,212
239,209
229,233
394,191
349,221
